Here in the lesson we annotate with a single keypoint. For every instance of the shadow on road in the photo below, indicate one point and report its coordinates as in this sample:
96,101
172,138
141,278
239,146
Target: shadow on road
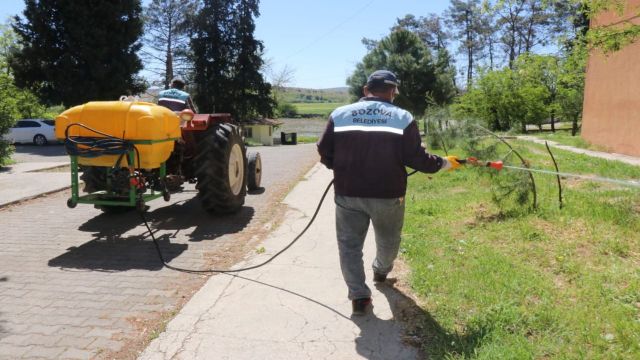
118,254
46,150
112,250
422,331
189,216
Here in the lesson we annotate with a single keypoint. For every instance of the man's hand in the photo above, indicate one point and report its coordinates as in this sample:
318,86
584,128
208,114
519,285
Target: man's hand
450,163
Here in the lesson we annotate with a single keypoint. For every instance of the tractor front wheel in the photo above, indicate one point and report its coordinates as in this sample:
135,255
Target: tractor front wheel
221,169
255,171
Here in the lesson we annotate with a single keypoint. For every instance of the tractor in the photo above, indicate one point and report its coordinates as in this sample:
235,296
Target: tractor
131,152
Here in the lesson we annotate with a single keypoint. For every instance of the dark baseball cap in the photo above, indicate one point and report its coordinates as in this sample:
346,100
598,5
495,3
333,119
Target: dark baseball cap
380,77
178,80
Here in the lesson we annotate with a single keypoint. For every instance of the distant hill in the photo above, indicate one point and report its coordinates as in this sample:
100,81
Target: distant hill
301,95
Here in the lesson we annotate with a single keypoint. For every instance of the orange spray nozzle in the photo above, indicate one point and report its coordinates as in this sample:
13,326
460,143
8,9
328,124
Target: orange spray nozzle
475,162
495,165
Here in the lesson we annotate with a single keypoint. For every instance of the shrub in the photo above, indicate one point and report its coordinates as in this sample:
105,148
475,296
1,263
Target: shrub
287,110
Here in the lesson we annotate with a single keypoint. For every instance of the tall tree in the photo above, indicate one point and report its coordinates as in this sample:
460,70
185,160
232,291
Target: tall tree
488,33
430,29
227,60
73,51
464,17
279,78
252,93
403,53
8,46
571,84
167,38
525,24
510,19
211,51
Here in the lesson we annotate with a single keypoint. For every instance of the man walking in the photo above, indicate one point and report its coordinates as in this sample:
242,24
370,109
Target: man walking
368,144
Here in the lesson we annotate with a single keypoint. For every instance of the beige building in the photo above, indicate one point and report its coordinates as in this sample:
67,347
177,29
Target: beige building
611,114
260,130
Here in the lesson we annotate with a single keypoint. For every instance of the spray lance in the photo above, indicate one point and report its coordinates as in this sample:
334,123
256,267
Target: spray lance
499,166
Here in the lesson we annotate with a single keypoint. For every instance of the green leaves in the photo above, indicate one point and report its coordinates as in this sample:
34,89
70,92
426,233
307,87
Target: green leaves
73,52
227,60
539,88
421,78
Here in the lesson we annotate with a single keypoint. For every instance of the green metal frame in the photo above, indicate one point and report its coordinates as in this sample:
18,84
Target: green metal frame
106,197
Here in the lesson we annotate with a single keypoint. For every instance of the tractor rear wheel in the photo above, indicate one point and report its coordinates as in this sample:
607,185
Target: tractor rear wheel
221,169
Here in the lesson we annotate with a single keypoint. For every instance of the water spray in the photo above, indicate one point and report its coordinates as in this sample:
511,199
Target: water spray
499,165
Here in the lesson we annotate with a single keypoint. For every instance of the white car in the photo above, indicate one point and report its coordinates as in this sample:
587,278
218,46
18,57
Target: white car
36,131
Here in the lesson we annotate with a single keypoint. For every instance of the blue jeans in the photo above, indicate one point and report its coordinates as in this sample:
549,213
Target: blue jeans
353,215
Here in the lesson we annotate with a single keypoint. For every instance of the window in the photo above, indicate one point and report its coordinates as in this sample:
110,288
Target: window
27,124
49,122
248,132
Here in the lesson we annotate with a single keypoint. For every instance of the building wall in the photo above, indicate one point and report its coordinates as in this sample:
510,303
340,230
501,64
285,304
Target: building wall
261,134
611,114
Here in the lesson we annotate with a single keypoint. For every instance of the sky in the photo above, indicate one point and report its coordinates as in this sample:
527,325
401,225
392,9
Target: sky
318,39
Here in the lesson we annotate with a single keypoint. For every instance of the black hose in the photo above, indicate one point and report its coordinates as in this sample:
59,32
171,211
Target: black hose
164,262
206,271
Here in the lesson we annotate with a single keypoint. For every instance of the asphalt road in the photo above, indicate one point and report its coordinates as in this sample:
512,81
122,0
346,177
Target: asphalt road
34,153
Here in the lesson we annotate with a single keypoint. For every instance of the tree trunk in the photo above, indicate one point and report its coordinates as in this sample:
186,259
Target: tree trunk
553,121
168,70
469,49
574,126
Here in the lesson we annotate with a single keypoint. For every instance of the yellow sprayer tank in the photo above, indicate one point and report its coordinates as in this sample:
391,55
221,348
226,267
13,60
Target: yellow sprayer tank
152,128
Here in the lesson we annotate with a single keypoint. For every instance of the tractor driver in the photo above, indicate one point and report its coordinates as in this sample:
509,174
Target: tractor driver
175,98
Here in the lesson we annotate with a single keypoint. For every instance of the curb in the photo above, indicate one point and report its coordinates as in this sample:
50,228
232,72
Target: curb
48,168
36,196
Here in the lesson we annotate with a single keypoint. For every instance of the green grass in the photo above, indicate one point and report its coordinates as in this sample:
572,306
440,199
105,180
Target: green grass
565,138
300,95
307,139
550,284
320,109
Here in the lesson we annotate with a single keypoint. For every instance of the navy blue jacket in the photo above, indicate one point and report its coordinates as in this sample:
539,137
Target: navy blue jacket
176,100
368,144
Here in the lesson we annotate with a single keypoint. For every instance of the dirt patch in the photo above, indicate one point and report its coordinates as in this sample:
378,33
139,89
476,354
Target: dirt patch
406,308
483,214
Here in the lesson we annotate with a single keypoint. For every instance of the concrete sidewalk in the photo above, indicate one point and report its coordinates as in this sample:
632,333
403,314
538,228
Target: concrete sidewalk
293,308
27,180
599,154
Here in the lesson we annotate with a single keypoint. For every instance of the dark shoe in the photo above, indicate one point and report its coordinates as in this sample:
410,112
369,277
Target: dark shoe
377,277
359,306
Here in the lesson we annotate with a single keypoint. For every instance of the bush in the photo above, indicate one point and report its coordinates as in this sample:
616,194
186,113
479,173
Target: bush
287,110
8,115
14,104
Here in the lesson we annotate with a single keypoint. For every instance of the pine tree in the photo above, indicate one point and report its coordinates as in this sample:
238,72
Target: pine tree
227,60
464,16
420,78
253,94
77,51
